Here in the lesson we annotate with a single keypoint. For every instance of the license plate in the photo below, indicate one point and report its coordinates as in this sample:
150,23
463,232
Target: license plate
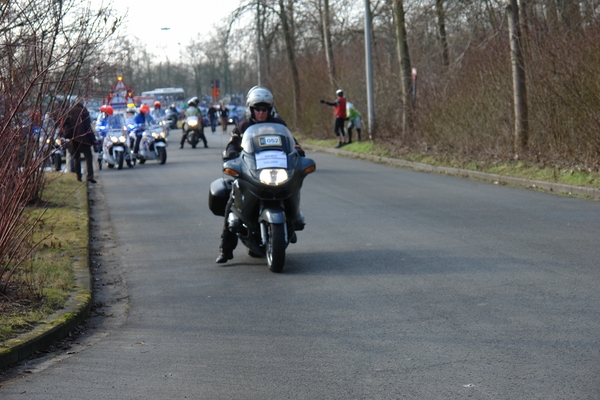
269,141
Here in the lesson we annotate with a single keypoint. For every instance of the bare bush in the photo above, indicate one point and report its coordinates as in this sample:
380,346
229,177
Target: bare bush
46,59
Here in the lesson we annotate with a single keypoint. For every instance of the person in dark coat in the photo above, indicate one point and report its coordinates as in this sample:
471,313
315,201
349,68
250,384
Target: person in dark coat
78,128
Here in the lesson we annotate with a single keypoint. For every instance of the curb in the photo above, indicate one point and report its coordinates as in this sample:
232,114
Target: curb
551,187
58,325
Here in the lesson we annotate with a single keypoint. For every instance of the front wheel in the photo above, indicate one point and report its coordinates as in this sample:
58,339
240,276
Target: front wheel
120,159
162,155
57,162
276,247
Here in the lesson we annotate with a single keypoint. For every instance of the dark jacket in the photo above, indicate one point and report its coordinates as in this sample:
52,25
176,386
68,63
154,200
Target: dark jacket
78,126
234,147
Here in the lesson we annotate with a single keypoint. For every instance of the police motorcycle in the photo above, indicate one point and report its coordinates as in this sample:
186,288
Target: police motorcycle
57,147
153,145
54,144
171,117
115,149
265,182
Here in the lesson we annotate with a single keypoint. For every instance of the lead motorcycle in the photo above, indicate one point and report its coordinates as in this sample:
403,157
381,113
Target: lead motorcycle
265,182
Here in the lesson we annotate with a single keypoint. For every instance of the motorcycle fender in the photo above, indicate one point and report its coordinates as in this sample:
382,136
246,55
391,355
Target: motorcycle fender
118,148
160,144
272,215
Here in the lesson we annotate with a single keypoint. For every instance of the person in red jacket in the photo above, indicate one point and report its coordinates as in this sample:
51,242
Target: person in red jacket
339,111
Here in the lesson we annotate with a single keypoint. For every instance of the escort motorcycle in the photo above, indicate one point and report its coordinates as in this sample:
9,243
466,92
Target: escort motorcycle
194,128
153,145
264,183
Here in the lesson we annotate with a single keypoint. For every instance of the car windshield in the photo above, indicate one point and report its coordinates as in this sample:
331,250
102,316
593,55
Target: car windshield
267,136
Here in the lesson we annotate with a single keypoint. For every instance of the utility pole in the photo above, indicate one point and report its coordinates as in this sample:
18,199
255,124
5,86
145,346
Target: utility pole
369,68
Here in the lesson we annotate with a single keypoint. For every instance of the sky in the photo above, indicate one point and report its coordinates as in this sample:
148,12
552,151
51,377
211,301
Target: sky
148,20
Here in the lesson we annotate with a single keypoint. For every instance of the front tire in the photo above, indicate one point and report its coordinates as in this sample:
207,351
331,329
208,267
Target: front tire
275,247
120,160
162,155
57,162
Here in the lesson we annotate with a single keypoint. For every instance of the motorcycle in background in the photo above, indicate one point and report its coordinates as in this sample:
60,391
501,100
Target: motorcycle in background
115,150
153,145
195,131
265,182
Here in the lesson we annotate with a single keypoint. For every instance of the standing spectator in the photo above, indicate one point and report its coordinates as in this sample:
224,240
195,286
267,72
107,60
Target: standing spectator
353,121
78,127
212,116
224,117
340,116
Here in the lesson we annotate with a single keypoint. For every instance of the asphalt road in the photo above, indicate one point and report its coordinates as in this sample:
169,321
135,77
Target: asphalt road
404,285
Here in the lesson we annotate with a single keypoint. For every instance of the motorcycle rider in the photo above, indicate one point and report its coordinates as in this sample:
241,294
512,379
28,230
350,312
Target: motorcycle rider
141,119
259,105
157,113
192,110
172,115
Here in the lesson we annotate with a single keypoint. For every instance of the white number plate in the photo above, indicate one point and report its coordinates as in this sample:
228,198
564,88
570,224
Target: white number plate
269,141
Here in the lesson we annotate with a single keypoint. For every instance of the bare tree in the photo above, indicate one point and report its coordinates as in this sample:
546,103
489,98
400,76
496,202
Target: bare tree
291,56
521,129
439,8
405,67
326,17
46,57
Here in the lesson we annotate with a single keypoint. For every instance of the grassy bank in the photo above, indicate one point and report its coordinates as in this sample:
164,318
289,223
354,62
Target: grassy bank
43,284
519,169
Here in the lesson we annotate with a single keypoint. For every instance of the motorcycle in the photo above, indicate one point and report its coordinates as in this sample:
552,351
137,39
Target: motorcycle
195,131
171,118
264,182
153,145
115,150
57,152
112,147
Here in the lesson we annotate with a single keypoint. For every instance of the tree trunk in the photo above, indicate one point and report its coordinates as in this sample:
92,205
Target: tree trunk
289,45
439,8
521,134
327,43
405,70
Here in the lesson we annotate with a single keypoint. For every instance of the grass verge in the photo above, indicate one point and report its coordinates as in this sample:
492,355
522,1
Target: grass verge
44,283
519,169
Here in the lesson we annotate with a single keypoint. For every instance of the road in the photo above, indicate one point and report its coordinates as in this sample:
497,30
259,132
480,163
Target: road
404,285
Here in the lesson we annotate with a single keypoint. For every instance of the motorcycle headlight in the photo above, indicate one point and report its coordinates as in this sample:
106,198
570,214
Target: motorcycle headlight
122,139
155,135
58,142
114,139
273,176
192,124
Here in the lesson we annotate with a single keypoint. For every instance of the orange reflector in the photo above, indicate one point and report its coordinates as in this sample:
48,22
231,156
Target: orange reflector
310,169
229,171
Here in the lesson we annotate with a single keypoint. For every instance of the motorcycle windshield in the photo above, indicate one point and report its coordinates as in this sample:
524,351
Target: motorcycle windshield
267,136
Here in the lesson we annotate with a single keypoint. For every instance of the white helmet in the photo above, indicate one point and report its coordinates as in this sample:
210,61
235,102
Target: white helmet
339,92
259,95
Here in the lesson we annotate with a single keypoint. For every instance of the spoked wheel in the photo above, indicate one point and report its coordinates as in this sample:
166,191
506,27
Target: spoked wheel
275,247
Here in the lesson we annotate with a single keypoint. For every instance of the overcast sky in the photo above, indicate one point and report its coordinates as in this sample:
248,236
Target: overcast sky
147,21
